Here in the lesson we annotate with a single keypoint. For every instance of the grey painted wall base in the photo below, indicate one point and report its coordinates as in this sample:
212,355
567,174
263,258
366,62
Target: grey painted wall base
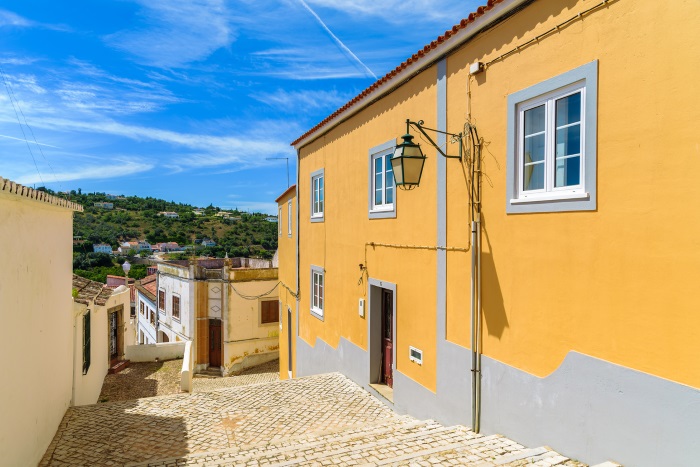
593,410
588,409
348,359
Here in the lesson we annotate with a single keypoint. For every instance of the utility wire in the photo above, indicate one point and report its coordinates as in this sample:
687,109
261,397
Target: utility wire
12,101
26,123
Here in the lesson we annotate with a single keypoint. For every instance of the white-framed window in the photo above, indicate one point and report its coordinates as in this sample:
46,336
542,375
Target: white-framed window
551,161
317,291
318,196
289,218
279,222
382,189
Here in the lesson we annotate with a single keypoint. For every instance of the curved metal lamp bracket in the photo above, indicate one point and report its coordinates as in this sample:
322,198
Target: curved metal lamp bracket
456,138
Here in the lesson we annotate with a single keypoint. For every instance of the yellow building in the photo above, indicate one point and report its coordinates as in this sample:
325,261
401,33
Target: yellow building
543,285
36,336
287,248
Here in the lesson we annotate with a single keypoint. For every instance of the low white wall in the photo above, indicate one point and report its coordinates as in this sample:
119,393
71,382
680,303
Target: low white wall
149,352
187,368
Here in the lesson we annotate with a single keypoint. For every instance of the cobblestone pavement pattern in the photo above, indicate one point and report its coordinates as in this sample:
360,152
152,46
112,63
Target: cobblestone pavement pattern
318,420
265,373
142,380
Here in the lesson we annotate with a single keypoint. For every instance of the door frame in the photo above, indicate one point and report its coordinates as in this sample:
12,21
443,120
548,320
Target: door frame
374,327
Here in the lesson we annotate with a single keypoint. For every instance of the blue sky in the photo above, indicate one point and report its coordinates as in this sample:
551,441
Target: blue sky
186,99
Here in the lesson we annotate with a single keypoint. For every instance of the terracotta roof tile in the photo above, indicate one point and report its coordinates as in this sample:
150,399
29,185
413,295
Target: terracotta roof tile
88,290
397,71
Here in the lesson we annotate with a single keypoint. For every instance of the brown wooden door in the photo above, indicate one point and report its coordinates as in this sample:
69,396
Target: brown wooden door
214,343
387,337
113,338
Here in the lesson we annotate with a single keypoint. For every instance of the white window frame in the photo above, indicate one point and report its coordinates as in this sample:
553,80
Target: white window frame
317,299
581,197
383,210
317,215
279,222
289,218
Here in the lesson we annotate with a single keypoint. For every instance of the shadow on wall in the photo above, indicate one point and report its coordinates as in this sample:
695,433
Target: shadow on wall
494,310
117,433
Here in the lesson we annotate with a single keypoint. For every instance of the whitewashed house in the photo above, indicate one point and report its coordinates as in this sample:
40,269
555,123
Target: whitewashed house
36,310
146,314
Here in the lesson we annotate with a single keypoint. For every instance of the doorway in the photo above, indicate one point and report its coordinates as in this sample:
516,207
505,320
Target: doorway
116,337
382,336
387,310
289,341
215,343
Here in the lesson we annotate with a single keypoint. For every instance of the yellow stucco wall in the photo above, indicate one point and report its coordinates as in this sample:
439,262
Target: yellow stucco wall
338,243
286,252
616,283
37,325
245,335
609,283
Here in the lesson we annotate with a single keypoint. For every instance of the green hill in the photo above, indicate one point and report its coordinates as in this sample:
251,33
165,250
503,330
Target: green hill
135,218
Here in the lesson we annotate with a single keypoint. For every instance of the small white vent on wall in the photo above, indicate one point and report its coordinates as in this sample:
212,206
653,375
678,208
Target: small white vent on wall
415,355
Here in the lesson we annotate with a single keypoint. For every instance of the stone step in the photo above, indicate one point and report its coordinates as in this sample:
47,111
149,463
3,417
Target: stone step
291,443
119,366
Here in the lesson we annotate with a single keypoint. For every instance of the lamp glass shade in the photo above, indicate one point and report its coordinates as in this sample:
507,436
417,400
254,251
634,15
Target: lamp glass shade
126,267
407,163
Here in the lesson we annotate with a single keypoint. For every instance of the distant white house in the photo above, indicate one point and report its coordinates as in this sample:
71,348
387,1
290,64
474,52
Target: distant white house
104,205
102,248
208,242
170,214
271,218
198,212
147,316
111,196
128,247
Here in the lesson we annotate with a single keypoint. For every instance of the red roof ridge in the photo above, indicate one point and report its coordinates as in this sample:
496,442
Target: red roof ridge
396,71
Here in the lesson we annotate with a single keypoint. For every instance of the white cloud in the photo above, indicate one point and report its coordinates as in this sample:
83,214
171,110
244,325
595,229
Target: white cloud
92,172
10,19
266,207
176,32
305,100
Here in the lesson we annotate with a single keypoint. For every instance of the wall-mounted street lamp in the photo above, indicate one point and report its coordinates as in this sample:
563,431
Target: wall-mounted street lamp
408,159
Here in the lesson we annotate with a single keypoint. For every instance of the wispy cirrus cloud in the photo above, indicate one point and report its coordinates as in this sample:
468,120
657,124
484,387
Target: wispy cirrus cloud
118,167
175,33
10,19
303,100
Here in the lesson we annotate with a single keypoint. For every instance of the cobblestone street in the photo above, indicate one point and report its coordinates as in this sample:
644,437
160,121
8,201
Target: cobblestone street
151,379
139,380
265,373
317,420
